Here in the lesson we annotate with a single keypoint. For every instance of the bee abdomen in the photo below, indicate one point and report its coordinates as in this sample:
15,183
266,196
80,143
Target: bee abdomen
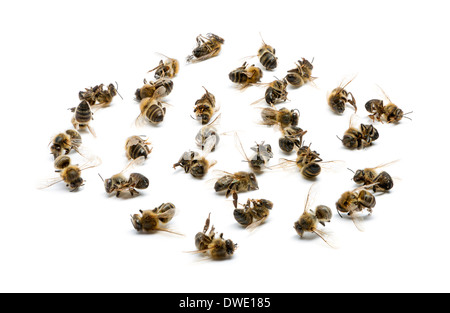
140,181
83,112
155,113
268,60
138,150
311,170
242,217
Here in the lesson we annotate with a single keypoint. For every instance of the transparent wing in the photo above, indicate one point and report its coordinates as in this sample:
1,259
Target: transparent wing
45,183
328,238
384,165
133,163
210,143
310,198
238,144
92,162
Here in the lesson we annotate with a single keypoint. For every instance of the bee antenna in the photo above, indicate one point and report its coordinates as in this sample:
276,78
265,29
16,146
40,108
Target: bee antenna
262,38
117,90
408,116
338,138
101,177
351,170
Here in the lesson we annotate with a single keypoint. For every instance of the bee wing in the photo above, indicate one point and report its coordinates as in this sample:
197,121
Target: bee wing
140,120
342,85
327,237
310,198
215,122
384,165
133,163
239,146
257,101
45,183
358,221
94,161
384,93
209,145
255,224
332,166
284,164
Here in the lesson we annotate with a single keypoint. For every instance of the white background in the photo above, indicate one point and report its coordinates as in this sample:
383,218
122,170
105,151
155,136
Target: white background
54,240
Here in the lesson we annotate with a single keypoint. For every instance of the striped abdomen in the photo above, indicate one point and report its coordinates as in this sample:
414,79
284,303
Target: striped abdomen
268,60
155,113
83,113
311,170
138,150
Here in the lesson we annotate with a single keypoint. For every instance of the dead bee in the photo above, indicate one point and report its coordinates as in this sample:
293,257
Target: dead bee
169,68
208,47
194,163
217,248
207,132
158,89
263,153
246,75
82,117
390,112
339,97
282,117
119,183
308,161
136,147
300,75
355,201
275,92
309,220
97,96
253,213
235,183
369,176
151,220
359,137
152,110
70,174
64,142
266,55
205,107
292,137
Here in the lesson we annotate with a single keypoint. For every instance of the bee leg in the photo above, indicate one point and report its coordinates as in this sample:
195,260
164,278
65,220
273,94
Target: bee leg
323,223
352,101
118,194
235,199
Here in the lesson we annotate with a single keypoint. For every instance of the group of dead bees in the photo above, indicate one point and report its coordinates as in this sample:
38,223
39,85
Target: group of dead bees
255,211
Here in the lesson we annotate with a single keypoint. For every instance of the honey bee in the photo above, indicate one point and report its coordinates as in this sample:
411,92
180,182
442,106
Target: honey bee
119,183
275,92
361,137
263,153
208,132
69,173
282,117
308,162
390,112
136,147
97,96
309,220
235,183
246,75
339,97
82,117
292,137
381,181
355,201
253,213
194,163
169,68
215,247
266,55
151,220
65,142
152,110
300,75
208,47
205,107
158,89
